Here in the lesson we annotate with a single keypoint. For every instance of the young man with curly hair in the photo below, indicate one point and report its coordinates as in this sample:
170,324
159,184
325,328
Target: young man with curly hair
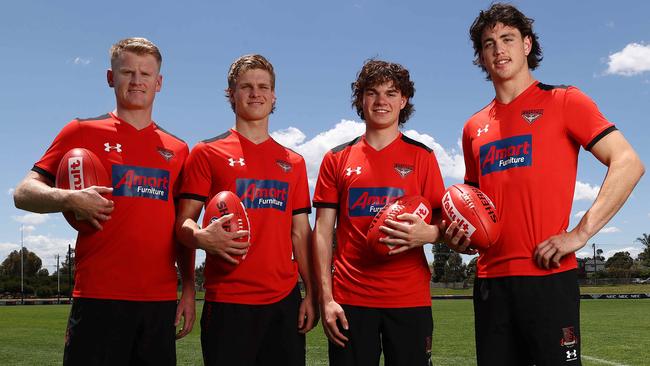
370,303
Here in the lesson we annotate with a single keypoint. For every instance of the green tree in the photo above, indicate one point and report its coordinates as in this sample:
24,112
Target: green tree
441,253
455,269
620,260
11,265
644,256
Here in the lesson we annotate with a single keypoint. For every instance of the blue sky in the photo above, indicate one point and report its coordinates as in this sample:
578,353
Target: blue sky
54,57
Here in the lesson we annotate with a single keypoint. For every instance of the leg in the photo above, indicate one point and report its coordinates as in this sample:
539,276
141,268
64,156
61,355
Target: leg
406,336
156,337
550,310
282,344
232,334
498,340
364,345
99,332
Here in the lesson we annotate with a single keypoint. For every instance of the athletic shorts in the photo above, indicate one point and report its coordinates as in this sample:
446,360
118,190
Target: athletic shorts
118,332
248,335
528,320
403,334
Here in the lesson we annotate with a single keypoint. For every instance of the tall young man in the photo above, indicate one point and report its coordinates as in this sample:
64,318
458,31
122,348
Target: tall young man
370,304
124,309
253,313
526,296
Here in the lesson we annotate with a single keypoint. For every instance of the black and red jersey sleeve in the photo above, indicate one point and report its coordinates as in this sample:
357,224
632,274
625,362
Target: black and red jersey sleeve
326,193
433,187
584,121
471,173
301,192
68,138
197,175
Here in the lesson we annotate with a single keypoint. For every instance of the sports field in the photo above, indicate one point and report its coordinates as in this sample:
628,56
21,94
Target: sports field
615,332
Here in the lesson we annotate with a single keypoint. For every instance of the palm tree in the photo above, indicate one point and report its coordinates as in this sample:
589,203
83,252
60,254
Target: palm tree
644,256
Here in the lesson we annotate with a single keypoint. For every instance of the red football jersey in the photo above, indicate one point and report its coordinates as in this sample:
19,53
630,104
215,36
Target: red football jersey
524,155
271,181
358,181
133,257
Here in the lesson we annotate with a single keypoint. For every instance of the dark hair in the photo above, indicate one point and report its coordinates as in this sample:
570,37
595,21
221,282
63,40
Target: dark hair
376,72
510,16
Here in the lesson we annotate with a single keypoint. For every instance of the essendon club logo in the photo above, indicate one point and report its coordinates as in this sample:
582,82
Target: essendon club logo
569,338
285,166
403,170
513,152
76,173
263,193
369,201
532,115
136,181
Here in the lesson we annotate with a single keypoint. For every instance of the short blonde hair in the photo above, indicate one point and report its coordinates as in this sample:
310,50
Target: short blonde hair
138,45
243,64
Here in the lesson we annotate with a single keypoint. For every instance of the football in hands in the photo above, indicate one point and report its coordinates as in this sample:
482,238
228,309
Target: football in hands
474,212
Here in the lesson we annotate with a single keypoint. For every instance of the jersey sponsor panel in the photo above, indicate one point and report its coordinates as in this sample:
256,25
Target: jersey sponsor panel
368,201
265,193
511,152
135,181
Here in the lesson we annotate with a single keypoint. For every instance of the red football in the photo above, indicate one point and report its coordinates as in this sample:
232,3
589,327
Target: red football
416,205
224,203
79,169
475,213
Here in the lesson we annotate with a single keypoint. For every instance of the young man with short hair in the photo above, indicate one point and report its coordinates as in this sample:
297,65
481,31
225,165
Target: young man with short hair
253,313
124,310
526,296
370,304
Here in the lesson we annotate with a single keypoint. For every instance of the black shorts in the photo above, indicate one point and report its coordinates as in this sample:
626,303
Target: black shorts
118,332
528,320
248,335
404,335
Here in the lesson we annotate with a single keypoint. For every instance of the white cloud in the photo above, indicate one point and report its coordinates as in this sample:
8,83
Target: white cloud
585,191
10,191
45,248
609,230
634,59
81,61
451,162
585,253
32,218
579,214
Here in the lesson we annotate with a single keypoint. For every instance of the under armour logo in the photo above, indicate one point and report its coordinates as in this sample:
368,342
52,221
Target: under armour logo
483,130
240,161
108,147
349,171
572,354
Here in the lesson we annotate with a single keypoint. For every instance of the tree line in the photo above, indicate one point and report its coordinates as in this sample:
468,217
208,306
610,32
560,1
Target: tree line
447,267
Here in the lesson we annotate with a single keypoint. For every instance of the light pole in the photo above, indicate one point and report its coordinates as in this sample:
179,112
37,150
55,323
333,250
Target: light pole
58,281
22,288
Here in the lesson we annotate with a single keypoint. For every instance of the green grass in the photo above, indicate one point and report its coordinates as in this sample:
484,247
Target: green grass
613,330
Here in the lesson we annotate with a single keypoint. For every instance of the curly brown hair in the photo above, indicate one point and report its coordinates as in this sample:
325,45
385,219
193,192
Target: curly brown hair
376,72
512,17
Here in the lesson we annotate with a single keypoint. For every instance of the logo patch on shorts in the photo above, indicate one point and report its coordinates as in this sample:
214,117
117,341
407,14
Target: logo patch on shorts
368,201
136,181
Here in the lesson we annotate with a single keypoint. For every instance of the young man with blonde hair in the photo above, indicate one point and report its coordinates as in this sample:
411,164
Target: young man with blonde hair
124,310
253,312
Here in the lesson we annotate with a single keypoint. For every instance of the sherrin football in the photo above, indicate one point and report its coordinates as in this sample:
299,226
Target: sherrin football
474,212
416,205
224,203
79,169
